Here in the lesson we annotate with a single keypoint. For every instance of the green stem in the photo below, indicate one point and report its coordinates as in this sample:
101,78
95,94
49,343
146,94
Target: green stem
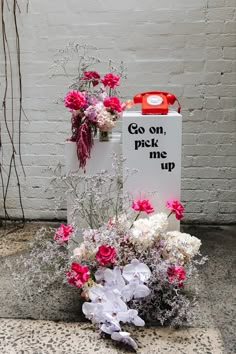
137,216
74,241
170,214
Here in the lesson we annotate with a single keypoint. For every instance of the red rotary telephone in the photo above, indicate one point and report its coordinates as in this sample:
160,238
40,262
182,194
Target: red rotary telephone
156,102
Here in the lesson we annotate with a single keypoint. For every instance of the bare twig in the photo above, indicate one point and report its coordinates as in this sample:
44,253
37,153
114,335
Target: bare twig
9,91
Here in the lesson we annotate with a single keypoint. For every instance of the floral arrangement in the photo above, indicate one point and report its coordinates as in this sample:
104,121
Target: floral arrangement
120,259
131,268
94,106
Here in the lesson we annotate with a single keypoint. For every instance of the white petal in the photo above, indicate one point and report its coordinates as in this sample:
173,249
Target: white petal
136,270
124,316
91,310
125,338
110,328
141,291
127,292
138,321
114,304
88,309
99,275
119,279
111,324
130,316
97,293
119,304
108,276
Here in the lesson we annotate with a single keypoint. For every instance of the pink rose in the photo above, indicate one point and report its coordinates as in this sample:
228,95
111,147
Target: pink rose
175,207
74,100
143,205
78,274
111,80
91,76
62,234
176,273
105,254
113,103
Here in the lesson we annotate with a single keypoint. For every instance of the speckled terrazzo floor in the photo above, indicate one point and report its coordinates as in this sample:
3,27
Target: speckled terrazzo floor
212,332
44,337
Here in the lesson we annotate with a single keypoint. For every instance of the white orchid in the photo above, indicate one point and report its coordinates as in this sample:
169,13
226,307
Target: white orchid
108,299
131,316
110,327
111,299
136,270
97,294
92,311
125,338
113,278
134,289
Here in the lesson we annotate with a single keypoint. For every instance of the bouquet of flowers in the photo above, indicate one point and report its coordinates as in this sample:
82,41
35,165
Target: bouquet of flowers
118,254
94,106
132,266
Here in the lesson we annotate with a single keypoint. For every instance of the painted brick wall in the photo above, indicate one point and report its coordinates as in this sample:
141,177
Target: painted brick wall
186,47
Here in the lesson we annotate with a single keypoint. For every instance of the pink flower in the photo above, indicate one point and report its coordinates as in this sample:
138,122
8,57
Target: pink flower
175,207
111,80
113,103
78,274
74,100
176,273
91,113
143,205
91,75
127,104
105,254
110,222
62,234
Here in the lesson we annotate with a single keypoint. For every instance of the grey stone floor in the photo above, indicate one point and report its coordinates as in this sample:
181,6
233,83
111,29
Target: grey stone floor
30,327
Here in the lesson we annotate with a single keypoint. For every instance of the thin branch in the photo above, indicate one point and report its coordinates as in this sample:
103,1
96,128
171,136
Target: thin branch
20,81
9,86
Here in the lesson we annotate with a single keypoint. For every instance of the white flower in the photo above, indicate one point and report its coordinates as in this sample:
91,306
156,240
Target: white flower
135,290
104,302
125,338
142,226
102,94
131,316
99,275
108,301
105,120
111,299
145,231
122,222
142,234
92,311
82,252
180,247
136,270
110,326
112,277
159,223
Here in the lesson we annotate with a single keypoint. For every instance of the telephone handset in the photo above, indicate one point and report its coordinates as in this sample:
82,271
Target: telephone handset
156,102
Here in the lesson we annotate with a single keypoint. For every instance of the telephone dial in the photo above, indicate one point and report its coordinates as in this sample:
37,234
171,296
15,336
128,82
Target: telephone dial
156,102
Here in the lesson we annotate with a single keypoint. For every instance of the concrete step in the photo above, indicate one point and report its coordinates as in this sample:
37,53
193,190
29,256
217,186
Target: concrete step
216,294
47,337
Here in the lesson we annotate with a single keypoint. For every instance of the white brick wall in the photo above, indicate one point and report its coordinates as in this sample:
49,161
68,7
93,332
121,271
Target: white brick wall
186,47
